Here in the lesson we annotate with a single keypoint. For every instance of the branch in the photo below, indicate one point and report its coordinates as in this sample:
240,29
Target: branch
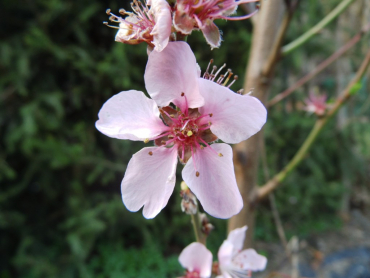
275,51
317,28
352,88
320,67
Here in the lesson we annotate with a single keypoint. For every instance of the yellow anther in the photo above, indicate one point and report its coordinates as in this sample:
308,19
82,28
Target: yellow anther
146,140
220,155
190,133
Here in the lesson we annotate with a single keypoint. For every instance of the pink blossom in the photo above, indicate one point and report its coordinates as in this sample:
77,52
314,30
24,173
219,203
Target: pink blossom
200,14
205,112
233,262
316,104
197,260
151,25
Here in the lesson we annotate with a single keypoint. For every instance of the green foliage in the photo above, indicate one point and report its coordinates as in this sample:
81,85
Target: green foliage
60,209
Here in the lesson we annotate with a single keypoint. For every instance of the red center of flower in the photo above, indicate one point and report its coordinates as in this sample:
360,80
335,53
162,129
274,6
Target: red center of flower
189,131
193,274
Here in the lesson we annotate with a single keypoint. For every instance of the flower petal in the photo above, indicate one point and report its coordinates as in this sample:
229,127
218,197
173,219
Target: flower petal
196,257
236,238
235,117
249,259
182,21
215,187
149,180
211,33
163,23
130,115
225,253
172,72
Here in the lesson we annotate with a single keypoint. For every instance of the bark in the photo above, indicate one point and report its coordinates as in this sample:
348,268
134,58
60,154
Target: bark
246,154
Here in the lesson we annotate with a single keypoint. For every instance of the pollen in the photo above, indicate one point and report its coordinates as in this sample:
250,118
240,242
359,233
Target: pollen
189,133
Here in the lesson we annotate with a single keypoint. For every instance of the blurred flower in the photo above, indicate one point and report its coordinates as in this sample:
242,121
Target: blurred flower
197,260
151,25
232,261
316,103
200,14
205,111
189,203
236,263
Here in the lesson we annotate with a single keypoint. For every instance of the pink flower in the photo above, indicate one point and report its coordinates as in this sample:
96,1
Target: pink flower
197,260
236,263
200,14
316,104
151,25
205,112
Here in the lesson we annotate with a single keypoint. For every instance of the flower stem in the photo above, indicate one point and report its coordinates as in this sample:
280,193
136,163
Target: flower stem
195,221
317,28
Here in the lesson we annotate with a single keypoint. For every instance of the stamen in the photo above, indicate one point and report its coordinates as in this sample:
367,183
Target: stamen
219,70
192,156
150,153
220,155
146,140
240,91
206,73
205,143
228,77
110,26
186,103
190,133
232,82
108,11
197,174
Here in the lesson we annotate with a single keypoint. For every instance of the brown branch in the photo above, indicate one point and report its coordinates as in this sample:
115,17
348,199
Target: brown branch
320,67
352,88
275,52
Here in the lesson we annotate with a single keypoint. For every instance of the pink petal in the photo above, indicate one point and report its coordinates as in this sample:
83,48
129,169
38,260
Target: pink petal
182,21
236,238
149,180
163,23
215,187
249,260
225,253
211,33
235,117
130,115
172,72
196,257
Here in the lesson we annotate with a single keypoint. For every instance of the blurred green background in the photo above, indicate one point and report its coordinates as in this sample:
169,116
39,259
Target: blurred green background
61,213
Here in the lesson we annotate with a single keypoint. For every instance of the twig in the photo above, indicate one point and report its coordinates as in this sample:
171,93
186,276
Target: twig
295,256
352,87
275,212
320,67
317,28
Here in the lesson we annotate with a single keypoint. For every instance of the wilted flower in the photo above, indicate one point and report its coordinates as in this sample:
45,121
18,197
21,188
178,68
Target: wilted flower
233,262
197,260
200,14
204,112
316,104
151,25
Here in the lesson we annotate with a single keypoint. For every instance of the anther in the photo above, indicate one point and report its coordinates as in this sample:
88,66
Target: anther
150,153
189,133
220,155
122,11
211,114
182,94
240,91
197,173
201,147
108,11
209,123
146,140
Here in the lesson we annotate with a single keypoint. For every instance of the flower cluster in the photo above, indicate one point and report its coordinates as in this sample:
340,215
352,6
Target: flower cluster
154,21
186,115
232,260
